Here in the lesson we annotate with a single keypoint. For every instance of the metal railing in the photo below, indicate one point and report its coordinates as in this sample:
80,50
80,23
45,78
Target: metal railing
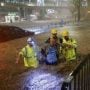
79,79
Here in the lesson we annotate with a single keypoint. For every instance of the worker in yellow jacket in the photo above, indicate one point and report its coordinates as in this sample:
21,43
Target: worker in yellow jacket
53,35
69,46
29,55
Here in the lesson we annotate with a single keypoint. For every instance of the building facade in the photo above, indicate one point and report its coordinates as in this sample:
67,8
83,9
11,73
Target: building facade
18,9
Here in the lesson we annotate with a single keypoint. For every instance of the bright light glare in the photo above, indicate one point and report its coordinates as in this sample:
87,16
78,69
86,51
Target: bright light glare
43,81
50,11
30,4
88,11
2,4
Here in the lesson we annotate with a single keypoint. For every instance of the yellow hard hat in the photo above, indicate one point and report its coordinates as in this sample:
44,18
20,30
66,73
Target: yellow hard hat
54,31
65,33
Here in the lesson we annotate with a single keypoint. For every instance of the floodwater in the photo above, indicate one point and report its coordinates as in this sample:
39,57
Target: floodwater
16,77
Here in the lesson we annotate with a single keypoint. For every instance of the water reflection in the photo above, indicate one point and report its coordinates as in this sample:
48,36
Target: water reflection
41,80
37,30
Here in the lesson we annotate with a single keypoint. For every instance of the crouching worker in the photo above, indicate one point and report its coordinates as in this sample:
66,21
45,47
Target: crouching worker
29,55
52,53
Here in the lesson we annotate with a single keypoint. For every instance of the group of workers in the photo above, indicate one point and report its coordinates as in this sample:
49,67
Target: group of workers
54,48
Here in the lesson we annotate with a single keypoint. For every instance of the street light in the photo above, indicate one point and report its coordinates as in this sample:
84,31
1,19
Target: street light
2,4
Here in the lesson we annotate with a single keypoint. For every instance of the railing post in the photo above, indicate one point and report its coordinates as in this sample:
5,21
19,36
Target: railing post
88,72
79,79
67,83
64,86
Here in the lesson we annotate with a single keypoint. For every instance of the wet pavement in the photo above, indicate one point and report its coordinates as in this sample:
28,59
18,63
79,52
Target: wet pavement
16,77
42,80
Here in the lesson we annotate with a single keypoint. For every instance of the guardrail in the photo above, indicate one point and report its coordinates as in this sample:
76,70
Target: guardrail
79,79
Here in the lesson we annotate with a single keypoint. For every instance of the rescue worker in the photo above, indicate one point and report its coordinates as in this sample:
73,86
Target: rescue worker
29,55
69,46
53,35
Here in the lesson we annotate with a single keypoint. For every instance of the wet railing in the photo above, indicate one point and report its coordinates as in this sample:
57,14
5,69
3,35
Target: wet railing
79,79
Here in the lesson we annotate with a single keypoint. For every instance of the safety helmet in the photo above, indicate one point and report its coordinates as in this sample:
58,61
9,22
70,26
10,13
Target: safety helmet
54,31
65,33
30,41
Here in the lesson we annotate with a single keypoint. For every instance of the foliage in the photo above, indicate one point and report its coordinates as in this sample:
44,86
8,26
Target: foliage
76,3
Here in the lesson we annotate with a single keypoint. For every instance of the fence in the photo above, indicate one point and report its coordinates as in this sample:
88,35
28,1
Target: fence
80,77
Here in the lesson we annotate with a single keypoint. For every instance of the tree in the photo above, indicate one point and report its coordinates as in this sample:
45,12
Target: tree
77,5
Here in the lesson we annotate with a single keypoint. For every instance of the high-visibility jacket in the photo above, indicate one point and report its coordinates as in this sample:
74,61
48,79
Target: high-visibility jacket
69,52
30,59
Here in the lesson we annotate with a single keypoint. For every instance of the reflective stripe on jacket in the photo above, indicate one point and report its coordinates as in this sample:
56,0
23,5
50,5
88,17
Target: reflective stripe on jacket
30,59
69,52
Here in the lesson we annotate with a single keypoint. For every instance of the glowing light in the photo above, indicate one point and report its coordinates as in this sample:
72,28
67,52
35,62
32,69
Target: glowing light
2,4
41,80
88,11
30,4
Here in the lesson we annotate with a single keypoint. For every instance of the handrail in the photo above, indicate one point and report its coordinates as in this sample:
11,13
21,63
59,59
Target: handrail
75,71
79,78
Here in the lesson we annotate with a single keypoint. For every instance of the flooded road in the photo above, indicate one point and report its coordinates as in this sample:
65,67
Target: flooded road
42,80
16,77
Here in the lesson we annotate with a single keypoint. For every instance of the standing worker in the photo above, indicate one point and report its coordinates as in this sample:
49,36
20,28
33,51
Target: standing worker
53,35
29,55
69,46
56,44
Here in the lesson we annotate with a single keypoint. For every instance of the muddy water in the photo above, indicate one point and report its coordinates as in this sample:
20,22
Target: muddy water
15,77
